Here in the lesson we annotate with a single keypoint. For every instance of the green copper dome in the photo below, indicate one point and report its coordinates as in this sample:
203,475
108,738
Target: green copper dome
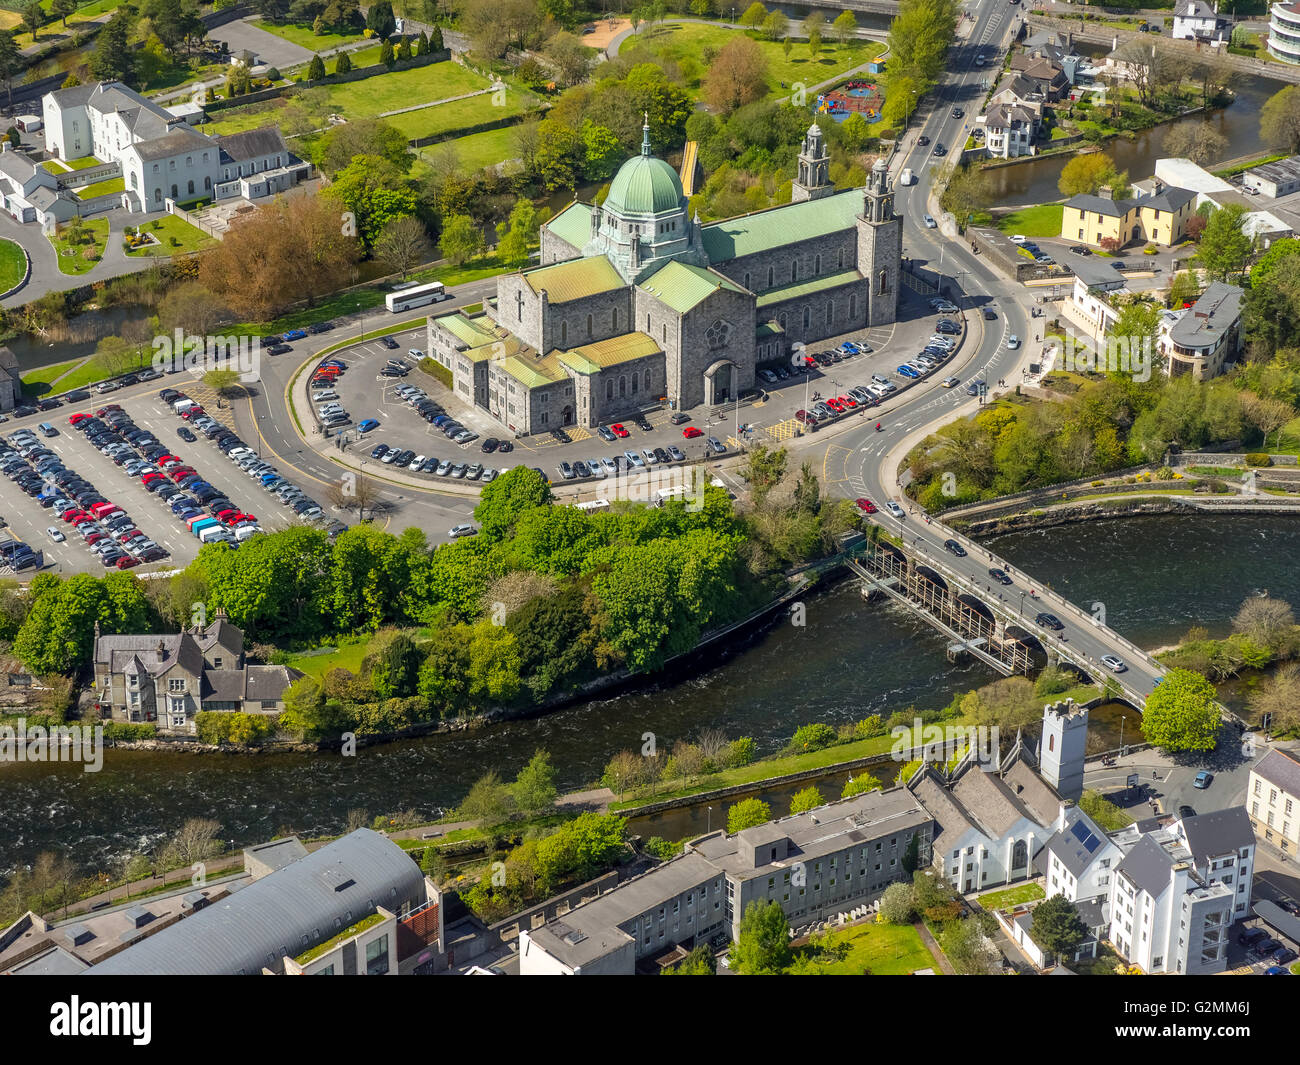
644,185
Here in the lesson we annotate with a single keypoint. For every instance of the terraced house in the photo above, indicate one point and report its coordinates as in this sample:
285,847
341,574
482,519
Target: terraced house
635,302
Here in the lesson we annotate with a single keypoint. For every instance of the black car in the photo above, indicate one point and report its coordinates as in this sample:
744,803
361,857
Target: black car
1267,947
76,394
1285,956
957,112
661,455
1186,811
923,140
940,150
1250,936
948,327
505,447
955,548
1119,265
186,435
1049,621
380,451
48,404
990,315
320,327
642,423
279,349
389,343
1079,249
561,436
23,410
999,576
489,445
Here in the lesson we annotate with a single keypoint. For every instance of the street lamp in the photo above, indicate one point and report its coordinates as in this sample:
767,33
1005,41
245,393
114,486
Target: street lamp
709,823
1121,734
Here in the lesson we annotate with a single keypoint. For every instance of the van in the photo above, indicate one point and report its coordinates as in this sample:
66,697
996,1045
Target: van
183,405
216,531
907,177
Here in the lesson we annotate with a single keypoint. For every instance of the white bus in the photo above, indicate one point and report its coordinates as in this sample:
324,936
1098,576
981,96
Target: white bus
418,296
593,504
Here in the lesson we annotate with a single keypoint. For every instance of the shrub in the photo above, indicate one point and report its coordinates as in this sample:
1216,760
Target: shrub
1258,458
273,74
662,848
1096,484
740,752
812,738
869,727
1164,474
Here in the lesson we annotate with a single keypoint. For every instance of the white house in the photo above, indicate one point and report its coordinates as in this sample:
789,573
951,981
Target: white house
30,193
1009,130
1196,20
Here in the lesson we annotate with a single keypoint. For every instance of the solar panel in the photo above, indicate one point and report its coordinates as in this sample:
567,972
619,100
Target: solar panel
1091,843
1080,831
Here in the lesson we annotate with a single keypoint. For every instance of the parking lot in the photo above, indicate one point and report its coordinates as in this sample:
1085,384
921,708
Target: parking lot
153,515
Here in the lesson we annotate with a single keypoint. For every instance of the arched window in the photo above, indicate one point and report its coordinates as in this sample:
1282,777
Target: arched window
853,306
647,380
635,382
614,321
794,270
647,323
807,317
817,264
564,333
665,332
174,194
747,279
609,389
771,276
781,320
207,184
830,311
1019,855
841,259
191,189
882,284
622,386
590,323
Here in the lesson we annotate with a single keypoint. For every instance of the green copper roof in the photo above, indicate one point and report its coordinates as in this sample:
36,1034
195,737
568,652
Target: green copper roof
808,287
602,354
768,329
572,225
681,286
473,331
575,279
644,184
534,372
776,226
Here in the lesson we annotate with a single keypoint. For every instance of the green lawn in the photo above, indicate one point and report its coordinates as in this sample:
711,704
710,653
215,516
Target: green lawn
1043,221
168,226
101,188
302,36
347,656
89,372
678,41
875,949
40,381
1012,896
477,150
405,88
13,264
443,118
72,257
66,166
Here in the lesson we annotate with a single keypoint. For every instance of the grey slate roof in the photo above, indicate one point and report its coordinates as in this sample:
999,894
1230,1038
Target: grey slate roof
16,166
267,683
1148,866
1215,834
1067,848
251,144
989,802
258,925
1280,768
181,139
1096,274
1205,322
1099,205
1168,199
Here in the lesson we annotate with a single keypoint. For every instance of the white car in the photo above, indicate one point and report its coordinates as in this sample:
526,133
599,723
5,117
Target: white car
894,509
1013,342
457,531
323,397
930,223
55,534
1017,239
416,354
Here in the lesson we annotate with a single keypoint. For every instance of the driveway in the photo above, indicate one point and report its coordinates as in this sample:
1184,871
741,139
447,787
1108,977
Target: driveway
272,50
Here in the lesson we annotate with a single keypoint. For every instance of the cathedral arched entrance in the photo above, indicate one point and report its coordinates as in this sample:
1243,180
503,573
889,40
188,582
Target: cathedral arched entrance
719,382
566,416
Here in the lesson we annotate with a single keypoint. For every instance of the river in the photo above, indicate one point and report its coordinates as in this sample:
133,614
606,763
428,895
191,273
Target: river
1035,181
1156,577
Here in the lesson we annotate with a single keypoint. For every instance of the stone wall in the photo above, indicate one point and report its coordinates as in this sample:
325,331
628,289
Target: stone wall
698,346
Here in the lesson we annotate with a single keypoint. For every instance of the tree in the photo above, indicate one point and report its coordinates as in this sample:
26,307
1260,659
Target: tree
488,801
1279,120
506,499
1278,697
33,16
699,962
195,841
763,946
919,36
364,136
1085,174
1224,248
1266,413
223,382
1180,714
754,16
1201,143
11,61
898,904
396,671
316,68
112,60
845,26
625,770
1057,926
404,243
860,785
737,76
61,9
968,948
534,788
969,191
461,239
386,55
1184,289
379,19
747,813
569,57
403,52
813,27
1265,622
805,799
375,193
775,26
343,65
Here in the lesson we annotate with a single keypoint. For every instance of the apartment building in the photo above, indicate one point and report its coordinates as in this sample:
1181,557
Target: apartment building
1273,793
1202,340
816,864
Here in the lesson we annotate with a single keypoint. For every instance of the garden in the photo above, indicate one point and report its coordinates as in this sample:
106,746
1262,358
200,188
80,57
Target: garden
80,244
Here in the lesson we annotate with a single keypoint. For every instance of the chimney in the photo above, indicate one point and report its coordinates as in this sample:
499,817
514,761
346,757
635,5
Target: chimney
1106,192
162,651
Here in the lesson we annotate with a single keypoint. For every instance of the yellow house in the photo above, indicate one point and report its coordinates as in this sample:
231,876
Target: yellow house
1156,219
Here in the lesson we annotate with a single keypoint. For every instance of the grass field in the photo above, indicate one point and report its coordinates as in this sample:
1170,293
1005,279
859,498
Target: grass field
190,239
459,114
302,36
477,150
72,257
101,188
875,949
1043,221
40,381
62,166
1000,900
13,264
680,42
348,656
54,27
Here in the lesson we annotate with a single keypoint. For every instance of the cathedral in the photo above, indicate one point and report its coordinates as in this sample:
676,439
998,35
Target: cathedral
635,302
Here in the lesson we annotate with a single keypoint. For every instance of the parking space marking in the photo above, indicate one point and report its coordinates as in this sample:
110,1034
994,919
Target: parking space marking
783,430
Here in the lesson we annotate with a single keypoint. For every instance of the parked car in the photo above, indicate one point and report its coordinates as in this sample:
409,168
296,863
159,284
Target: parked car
457,531
367,425
1203,780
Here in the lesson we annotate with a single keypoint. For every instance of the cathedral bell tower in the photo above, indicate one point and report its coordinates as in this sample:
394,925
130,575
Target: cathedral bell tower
814,180
880,246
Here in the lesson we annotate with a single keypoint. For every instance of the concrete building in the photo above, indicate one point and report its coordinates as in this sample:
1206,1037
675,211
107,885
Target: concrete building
830,860
331,912
159,156
1205,338
1062,746
1273,793
1195,20
169,679
1284,32
1092,307
635,301
1280,178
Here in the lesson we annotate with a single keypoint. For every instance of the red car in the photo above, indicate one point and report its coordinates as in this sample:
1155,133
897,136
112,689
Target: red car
192,412
866,506
848,401
619,431
104,410
77,419
126,562
74,513
691,432
835,405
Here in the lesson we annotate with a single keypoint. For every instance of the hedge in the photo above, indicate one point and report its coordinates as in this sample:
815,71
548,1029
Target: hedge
1259,458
